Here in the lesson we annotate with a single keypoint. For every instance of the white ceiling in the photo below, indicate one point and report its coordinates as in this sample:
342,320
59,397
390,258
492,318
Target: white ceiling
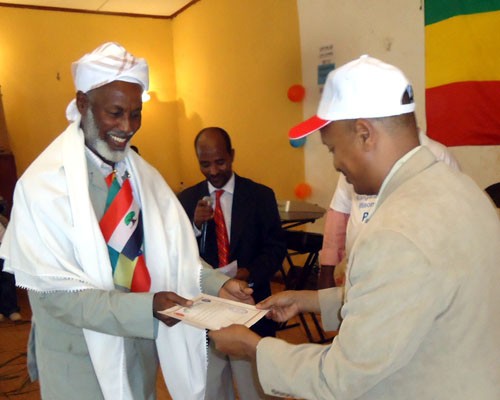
159,8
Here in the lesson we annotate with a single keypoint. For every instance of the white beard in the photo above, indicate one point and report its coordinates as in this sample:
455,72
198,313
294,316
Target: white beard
99,146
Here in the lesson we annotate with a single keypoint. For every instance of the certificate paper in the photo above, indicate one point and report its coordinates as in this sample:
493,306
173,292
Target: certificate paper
209,312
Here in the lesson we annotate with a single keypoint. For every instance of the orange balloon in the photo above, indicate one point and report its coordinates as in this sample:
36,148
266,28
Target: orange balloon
303,191
296,93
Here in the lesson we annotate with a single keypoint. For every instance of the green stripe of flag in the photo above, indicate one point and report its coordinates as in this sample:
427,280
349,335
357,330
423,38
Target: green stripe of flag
438,10
113,191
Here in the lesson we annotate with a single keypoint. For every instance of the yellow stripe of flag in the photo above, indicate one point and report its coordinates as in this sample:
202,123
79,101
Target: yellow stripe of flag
463,48
124,271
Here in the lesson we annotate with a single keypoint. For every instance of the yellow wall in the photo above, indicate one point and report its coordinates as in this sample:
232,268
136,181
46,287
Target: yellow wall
36,51
220,62
235,61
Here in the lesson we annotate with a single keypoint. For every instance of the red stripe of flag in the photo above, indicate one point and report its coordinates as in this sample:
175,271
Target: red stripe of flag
141,281
464,113
117,210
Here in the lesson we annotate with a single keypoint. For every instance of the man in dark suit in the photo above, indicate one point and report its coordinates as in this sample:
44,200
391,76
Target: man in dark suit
256,245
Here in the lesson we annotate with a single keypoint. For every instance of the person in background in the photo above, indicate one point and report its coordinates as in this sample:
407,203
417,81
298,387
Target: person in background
420,309
239,231
348,212
8,296
102,245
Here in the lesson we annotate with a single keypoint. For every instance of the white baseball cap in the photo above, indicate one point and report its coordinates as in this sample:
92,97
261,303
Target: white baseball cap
363,88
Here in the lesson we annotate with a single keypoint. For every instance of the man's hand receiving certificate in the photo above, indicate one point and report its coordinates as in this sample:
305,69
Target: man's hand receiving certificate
209,312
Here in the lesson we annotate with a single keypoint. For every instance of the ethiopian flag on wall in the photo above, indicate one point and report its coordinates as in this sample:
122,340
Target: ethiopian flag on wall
462,53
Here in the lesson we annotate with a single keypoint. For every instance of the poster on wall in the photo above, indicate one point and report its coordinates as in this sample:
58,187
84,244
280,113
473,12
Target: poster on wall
462,56
325,64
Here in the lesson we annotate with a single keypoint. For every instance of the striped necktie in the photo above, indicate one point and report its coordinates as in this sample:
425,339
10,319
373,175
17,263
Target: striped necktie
121,226
221,231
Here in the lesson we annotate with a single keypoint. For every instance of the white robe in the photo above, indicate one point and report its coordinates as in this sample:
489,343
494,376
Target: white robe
54,243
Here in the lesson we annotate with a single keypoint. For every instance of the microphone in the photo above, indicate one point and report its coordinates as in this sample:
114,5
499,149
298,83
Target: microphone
203,241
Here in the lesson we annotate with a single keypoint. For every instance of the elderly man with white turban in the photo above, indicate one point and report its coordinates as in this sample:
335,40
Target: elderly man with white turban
96,282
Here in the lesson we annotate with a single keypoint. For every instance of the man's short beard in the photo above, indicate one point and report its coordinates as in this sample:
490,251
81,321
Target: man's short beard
96,144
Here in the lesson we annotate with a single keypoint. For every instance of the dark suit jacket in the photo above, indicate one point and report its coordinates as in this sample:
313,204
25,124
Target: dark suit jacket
256,239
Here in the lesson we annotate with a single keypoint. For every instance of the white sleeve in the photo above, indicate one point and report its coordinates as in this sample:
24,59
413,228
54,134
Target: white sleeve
342,198
439,150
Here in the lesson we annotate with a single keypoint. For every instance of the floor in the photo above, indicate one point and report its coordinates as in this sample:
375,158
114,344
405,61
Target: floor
14,380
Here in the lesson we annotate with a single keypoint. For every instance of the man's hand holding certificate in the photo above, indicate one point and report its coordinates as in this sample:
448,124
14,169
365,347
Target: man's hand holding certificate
209,312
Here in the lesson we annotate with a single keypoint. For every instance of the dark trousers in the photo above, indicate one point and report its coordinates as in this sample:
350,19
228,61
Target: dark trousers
8,296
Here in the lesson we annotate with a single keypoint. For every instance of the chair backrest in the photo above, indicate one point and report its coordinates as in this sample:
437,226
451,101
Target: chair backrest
303,242
299,277
494,192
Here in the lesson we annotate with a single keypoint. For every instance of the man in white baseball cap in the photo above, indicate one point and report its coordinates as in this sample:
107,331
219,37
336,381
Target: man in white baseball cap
418,315
363,88
102,245
349,211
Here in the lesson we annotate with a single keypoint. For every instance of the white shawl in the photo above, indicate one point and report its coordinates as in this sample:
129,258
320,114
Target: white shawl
54,242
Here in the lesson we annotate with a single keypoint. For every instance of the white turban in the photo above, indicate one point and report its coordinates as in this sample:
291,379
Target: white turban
109,62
